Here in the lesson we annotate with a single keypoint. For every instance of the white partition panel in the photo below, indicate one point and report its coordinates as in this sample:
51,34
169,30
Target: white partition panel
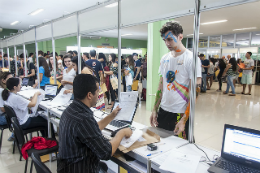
10,43
103,18
145,11
44,32
65,26
19,39
4,44
1,44
29,36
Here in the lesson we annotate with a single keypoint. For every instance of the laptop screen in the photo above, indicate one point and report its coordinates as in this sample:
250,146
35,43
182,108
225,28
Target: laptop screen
51,90
25,81
242,144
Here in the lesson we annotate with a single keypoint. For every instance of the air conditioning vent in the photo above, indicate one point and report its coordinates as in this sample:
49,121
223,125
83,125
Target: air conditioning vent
105,44
91,37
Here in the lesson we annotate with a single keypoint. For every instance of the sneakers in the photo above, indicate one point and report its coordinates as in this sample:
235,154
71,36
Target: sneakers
11,139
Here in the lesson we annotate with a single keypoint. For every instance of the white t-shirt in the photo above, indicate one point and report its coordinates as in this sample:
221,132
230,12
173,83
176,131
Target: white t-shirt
248,63
69,77
176,73
1,100
20,107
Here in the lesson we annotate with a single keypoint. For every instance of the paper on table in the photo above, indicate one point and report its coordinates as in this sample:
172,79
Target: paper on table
61,99
177,162
39,99
161,158
130,141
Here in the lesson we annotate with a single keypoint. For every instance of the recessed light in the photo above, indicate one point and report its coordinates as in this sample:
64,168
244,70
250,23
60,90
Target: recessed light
126,34
112,5
14,23
36,12
244,29
192,34
257,34
214,22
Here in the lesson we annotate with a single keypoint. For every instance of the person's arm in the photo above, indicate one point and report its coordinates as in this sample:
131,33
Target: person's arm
108,72
127,72
137,72
68,91
34,99
104,122
115,142
226,69
250,68
32,73
59,77
158,98
2,109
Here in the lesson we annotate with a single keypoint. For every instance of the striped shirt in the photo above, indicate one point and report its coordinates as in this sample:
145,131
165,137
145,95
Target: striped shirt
81,143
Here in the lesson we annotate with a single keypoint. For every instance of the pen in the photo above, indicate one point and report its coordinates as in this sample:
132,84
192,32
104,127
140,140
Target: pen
154,153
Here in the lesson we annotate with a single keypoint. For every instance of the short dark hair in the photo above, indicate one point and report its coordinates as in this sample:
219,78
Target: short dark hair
201,55
93,53
74,51
56,54
135,54
70,52
31,54
61,56
40,52
67,55
174,27
21,56
86,54
83,84
250,53
5,55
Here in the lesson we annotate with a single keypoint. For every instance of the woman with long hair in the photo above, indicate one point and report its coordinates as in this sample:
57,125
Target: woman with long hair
231,71
58,70
44,72
20,106
221,67
112,74
69,73
129,72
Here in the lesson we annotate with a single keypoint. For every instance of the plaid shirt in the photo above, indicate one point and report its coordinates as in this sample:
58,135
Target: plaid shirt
81,143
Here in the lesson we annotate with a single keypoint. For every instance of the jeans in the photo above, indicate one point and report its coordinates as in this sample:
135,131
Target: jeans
230,84
2,120
128,88
204,82
220,80
112,93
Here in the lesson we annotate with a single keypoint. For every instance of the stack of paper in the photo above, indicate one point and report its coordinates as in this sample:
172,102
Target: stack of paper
39,99
127,142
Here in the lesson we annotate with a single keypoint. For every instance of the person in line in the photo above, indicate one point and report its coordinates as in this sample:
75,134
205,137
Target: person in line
60,57
231,71
175,76
247,73
123,65
80,134
205,65
58,69
240,72
107,81
5,62
228,59
30,59
12,65
129,72
75,53
144,77
137,68
113,73
85,56
68,73
47,57
211,72
4,76
44,73
71,52
96,65
102,59
30,70
221,67
20,106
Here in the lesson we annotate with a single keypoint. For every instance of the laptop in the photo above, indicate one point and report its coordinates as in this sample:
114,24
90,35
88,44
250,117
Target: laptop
240,151
121,122
25,81
50,91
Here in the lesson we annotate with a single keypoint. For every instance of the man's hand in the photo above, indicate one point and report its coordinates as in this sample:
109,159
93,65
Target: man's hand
153,119
115,111
180,126
66,92
127,132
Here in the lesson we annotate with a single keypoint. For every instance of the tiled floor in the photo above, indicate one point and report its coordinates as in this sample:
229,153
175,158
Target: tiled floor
213,110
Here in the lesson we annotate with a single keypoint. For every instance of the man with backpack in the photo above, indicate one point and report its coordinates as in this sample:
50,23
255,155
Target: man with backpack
30,70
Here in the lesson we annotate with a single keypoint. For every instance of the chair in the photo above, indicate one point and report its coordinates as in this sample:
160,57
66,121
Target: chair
39,166
21,141
2,127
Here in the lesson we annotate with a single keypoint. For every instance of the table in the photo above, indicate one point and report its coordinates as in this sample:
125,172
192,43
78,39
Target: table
140,154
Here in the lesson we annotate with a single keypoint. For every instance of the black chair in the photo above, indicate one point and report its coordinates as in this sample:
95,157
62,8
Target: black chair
21,141
39,166
2,127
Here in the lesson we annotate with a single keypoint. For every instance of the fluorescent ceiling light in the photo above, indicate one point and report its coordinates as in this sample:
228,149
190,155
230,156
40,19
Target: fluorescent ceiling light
36,12
192,34
257,34
244,29
214,22
112,5
14,23
126,34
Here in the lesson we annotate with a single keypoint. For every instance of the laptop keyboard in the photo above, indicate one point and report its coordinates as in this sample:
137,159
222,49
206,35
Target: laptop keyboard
233,167
117,123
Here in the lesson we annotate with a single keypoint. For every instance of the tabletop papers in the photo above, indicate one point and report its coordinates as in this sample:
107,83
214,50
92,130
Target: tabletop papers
60,99
39,99
127,142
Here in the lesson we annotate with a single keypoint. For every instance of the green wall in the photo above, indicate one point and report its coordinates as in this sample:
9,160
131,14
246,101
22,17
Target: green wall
6,32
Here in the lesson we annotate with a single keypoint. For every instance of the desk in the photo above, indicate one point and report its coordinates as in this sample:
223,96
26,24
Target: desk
139,154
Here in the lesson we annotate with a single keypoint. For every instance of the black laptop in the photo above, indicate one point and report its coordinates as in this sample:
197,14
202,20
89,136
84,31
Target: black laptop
240,151
50,91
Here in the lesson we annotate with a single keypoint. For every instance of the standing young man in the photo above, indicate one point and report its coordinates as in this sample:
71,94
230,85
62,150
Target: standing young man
175,74
30,70
205,66
96,65
247,73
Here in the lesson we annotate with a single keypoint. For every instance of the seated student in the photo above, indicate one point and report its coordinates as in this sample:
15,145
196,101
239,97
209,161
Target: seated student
4,76
81,143
20,106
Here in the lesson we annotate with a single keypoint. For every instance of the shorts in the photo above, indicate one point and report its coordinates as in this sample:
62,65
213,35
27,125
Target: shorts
246,79
168,120
209,75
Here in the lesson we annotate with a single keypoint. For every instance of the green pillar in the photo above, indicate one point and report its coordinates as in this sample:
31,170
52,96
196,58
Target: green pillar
156,49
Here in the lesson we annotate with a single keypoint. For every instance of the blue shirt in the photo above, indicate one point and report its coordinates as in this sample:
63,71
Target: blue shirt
205,63
137,64
45,79
5,63
96,65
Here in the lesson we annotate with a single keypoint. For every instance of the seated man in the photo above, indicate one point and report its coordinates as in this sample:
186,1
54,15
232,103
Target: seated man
81,143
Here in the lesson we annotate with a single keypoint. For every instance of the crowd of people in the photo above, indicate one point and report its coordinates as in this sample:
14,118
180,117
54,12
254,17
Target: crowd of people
227,70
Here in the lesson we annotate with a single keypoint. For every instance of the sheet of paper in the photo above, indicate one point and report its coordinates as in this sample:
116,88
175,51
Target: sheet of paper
39,99
177,162
127,111
130,141
128,96
60,99
161,158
